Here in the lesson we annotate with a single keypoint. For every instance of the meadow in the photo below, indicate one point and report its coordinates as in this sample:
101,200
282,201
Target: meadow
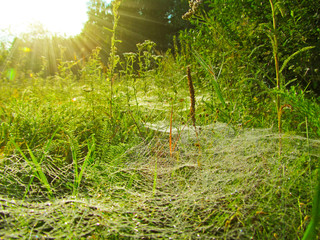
186,144
77,162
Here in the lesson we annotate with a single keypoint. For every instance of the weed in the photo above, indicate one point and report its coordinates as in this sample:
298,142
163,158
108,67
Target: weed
130,59
114,59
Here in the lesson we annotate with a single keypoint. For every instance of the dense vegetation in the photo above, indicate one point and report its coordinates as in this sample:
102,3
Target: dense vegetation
150,125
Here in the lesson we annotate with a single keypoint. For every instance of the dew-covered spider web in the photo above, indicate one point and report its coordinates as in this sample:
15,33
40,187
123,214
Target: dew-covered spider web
221,183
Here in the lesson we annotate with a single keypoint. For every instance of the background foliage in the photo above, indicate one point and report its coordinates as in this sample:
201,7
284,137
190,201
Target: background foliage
237,32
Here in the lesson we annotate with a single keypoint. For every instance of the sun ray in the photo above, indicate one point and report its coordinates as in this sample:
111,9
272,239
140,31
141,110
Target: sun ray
60,16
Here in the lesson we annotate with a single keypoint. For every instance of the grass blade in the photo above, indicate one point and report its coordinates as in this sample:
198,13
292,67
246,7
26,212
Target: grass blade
36,168
293,55
28,187
155,179
86,161
170,133
77,175
214,79
311,231
75,169
40,174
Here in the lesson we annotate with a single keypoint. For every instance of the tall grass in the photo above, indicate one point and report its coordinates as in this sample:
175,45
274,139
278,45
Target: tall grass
214,81
114,59
78,175
35,165
312,230
276,7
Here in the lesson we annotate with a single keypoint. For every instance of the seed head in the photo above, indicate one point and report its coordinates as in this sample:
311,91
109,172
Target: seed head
194,5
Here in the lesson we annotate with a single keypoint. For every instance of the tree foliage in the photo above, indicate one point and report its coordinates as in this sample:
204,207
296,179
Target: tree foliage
239,32
236,33
155,20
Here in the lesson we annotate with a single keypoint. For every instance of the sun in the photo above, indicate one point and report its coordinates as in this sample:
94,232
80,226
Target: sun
63,17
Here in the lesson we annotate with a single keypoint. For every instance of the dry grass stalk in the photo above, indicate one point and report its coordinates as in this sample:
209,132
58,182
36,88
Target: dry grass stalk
193,108
170,137
192,98
285,106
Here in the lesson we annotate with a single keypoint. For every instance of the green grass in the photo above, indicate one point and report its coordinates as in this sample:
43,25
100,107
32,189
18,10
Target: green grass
70,170
35,165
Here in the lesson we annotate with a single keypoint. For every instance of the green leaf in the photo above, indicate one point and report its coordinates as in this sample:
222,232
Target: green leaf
86,161
36,168
280,7
214,80
110,30
291,81
40,174
311,232
293,55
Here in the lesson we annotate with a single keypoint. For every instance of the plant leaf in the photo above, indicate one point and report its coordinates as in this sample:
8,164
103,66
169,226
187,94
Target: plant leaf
86,161
110,30
36,168
281,9
311,232
40,174
214,81
293,55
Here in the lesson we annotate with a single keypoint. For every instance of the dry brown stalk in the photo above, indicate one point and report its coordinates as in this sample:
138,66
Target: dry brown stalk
193,107
192,98
170,135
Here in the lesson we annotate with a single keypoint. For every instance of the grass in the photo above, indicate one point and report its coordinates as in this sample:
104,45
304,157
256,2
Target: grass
78,175
70,170
35,165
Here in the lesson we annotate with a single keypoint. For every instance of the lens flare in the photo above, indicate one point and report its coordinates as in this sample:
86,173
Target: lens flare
11,74
26,49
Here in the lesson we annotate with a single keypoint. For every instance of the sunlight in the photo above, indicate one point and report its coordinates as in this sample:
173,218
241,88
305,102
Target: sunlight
59,16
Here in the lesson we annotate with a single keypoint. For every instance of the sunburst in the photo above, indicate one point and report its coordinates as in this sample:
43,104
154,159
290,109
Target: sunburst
59,17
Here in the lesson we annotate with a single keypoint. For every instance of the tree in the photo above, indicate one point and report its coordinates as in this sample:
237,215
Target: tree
96,32
140,20
239,32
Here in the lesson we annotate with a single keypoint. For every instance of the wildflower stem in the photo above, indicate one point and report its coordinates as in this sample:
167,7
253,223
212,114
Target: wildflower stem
276,62
112,60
